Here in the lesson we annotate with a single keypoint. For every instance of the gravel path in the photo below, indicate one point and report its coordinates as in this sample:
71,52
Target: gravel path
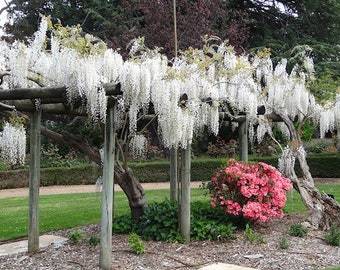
22,192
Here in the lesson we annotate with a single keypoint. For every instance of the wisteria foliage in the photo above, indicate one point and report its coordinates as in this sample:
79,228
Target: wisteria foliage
212,73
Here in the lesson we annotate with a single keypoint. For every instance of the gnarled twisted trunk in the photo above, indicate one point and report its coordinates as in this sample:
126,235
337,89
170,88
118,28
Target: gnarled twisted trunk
123,177
323,211
133,190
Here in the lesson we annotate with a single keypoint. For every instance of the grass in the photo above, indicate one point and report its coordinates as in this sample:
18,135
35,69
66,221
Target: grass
72,210
294,204
67,210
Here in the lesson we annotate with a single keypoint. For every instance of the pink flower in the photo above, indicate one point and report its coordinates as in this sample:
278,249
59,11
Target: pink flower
257,191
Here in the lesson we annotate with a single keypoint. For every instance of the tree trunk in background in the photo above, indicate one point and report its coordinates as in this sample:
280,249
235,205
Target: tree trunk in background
133,190
323,211
123,177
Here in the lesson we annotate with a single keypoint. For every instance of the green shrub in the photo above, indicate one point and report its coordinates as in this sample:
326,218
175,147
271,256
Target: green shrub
136,244
298,230
160,223
208,223
75,236
318,145
203,229
51,157
93,241
202,169
123,224
333,237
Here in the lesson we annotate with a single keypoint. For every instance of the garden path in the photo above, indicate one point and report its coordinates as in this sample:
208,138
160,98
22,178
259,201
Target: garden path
50,190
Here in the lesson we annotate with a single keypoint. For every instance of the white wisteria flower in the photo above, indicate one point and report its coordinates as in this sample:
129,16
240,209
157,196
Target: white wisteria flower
13,144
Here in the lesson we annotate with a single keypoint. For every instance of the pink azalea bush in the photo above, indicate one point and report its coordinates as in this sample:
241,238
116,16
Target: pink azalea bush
255,191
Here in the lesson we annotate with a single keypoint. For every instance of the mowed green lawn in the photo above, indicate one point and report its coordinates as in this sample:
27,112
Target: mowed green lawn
72,210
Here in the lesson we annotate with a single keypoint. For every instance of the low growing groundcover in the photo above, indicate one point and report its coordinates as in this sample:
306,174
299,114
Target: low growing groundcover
73,210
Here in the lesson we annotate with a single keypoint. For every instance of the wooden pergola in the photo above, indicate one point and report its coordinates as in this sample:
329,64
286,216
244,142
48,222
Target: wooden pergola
53,100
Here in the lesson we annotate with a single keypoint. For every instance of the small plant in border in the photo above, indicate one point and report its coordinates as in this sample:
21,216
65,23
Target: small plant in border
283,242
136,243
255,191
93,241
333,237
75,236
298,230
252,236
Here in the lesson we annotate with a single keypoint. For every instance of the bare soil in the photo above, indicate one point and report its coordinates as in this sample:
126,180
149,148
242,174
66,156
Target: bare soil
310,252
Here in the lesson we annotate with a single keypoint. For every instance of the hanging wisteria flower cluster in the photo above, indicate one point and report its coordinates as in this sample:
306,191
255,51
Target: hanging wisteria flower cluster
13,144
206,77
82,72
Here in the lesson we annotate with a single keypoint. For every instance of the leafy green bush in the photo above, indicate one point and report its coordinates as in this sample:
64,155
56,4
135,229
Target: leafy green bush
318,145
75,236
208,223
136,244
298,230
333,237
50,157
123,224
160,223
203,229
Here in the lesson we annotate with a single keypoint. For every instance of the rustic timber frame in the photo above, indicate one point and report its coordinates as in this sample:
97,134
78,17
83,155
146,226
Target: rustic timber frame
53,100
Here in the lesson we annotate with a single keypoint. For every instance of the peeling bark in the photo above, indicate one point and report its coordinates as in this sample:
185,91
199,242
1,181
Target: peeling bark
323,211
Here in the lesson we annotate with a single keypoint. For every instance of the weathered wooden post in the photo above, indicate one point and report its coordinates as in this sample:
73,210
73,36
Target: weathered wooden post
105,259
243,140
173,174
184,204
34,183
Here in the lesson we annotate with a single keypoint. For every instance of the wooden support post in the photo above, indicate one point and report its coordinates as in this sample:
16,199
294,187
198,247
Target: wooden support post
173,174
107,194
243,140
34,183
185,193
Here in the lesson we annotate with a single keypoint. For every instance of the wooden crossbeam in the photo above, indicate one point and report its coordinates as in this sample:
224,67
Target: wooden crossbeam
32,93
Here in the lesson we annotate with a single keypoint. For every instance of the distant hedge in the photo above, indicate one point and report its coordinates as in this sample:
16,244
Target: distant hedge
202,169
79,175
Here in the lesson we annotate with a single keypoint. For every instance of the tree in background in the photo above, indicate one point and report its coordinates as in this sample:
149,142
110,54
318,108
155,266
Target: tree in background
284,24
118,22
